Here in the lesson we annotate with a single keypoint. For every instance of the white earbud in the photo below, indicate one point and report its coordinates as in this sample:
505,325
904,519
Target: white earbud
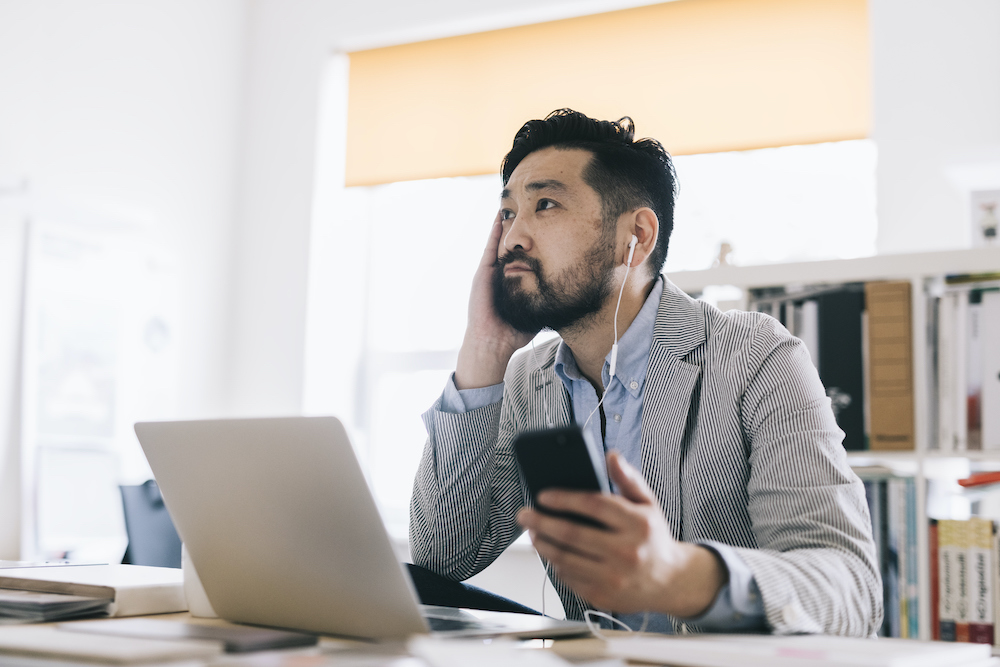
631,249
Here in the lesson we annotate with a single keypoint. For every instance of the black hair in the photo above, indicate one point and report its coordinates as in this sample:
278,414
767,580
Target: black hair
626,174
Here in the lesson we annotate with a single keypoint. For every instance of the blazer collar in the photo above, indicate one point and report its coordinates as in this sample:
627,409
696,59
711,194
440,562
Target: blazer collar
680,322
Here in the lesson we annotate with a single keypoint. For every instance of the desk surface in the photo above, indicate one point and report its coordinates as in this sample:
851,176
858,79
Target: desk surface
333,651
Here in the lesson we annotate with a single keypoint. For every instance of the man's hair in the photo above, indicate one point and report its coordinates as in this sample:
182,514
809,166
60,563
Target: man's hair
626,174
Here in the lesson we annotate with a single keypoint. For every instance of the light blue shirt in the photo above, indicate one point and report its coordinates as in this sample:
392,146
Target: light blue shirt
738,606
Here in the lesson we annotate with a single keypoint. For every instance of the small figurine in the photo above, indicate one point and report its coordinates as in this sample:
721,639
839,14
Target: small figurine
725,250
988,223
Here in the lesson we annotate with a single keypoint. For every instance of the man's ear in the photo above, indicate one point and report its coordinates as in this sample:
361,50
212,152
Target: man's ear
646,227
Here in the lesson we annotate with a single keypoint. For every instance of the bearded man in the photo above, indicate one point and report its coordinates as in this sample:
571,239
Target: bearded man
735,508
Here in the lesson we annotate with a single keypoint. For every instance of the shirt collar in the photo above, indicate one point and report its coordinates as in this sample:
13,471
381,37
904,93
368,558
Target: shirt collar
633,349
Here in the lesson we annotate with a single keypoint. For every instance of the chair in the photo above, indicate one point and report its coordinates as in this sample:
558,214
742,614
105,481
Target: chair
152,538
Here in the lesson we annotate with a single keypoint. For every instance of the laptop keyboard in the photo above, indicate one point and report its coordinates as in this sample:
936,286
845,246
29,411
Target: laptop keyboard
450,624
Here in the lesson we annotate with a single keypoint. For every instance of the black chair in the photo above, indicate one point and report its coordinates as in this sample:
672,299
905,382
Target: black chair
152,538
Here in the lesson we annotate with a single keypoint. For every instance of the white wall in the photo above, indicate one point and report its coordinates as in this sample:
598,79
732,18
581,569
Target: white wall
289,43
132,109
936,78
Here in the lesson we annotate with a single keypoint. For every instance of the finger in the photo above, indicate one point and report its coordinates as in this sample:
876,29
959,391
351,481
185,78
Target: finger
570,535
615,512
490,254
552,549
629,481
580,573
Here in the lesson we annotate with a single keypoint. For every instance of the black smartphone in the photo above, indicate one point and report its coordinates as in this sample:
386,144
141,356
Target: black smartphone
557,458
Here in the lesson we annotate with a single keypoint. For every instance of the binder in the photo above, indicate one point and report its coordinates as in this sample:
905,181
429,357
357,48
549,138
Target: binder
890,344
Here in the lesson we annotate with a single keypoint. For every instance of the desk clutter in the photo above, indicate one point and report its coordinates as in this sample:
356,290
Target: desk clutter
125,590
177,643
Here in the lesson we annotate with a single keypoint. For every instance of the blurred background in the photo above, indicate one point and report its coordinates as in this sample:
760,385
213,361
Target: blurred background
272,207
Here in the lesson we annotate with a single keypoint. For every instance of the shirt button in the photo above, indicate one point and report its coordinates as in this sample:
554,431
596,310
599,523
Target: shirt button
618,418
634,385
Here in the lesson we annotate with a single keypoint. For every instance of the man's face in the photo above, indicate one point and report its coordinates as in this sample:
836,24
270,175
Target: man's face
556,257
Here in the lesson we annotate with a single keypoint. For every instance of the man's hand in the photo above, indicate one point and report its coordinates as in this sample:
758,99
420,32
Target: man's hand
489,341
635,564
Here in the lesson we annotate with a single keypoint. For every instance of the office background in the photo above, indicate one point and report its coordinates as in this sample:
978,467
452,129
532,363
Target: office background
204,122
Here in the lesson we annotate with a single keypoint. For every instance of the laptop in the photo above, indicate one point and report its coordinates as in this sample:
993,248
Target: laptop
283,530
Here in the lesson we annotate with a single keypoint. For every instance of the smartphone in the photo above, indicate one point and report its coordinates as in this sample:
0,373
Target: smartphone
557,458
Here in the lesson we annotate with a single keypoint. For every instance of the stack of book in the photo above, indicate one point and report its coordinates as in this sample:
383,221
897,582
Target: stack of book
859,336
33,607
965,580
964,330
892,502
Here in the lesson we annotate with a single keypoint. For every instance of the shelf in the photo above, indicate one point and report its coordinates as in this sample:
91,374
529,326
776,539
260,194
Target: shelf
863,269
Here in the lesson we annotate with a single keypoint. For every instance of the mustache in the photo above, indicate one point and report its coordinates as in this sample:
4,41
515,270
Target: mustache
517,255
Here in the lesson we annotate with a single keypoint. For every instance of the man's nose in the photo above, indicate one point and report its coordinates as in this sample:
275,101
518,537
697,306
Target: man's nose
517,235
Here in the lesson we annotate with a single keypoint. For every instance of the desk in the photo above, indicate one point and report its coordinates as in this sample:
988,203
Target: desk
335,651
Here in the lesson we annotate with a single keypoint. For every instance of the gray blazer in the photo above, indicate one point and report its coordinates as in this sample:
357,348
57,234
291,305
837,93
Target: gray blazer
739,444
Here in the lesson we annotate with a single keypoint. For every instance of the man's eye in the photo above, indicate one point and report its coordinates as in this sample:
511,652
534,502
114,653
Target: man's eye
506,214
544,204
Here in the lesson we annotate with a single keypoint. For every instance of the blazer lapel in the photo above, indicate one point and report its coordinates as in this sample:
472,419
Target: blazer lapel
670,383
549,392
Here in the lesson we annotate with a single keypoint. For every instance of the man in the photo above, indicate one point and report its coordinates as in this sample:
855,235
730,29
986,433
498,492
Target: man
735,507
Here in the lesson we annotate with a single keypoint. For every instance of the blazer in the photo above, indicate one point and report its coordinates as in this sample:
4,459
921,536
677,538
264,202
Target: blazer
738,442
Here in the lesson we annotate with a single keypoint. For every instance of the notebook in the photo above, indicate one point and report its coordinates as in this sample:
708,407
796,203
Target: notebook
283,531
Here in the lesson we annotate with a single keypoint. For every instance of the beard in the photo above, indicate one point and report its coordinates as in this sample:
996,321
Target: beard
559,302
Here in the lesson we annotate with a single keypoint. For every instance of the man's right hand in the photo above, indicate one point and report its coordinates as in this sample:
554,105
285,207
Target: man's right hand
489,341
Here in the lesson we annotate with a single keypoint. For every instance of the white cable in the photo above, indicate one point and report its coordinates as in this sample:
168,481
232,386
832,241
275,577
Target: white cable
597,630
614,347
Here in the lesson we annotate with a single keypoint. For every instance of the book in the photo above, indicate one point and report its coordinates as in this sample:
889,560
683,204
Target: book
947,547
32,607
890,344
990,403
840,360
963,581
913,577
935,579
235,638
980,479
980,541
797,650
974,372
945,362
959,394
47,641
133,590
895,606
995,544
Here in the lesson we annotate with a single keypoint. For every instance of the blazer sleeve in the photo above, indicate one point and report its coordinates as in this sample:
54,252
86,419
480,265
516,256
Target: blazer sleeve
816,566
466,492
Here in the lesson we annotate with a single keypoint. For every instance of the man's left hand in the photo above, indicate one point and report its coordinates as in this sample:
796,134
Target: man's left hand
632,565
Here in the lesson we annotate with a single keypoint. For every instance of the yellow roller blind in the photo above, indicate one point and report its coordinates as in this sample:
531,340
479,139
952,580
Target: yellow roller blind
699,75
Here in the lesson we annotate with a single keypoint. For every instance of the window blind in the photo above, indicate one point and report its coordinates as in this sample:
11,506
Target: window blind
699,75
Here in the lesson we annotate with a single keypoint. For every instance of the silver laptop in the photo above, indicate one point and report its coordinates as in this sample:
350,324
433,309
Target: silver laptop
283,531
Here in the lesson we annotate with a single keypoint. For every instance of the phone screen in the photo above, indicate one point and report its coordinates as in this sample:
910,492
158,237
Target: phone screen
557,458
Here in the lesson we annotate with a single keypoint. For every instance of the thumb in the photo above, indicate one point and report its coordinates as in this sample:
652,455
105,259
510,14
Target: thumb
629,480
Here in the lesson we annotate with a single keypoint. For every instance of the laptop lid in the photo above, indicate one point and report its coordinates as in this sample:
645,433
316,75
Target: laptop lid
281,526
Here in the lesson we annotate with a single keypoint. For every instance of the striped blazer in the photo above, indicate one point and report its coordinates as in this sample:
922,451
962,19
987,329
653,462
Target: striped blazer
738,443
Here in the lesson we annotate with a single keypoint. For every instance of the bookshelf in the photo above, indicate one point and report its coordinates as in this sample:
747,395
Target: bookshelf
925,273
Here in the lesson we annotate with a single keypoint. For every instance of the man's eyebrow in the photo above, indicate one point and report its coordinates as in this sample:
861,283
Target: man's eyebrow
534,186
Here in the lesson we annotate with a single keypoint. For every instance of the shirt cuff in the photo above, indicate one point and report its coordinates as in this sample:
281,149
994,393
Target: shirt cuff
459,402
738,606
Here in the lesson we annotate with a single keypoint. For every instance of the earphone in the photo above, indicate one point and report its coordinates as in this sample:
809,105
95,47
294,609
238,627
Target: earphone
589,614
614,347
628,265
